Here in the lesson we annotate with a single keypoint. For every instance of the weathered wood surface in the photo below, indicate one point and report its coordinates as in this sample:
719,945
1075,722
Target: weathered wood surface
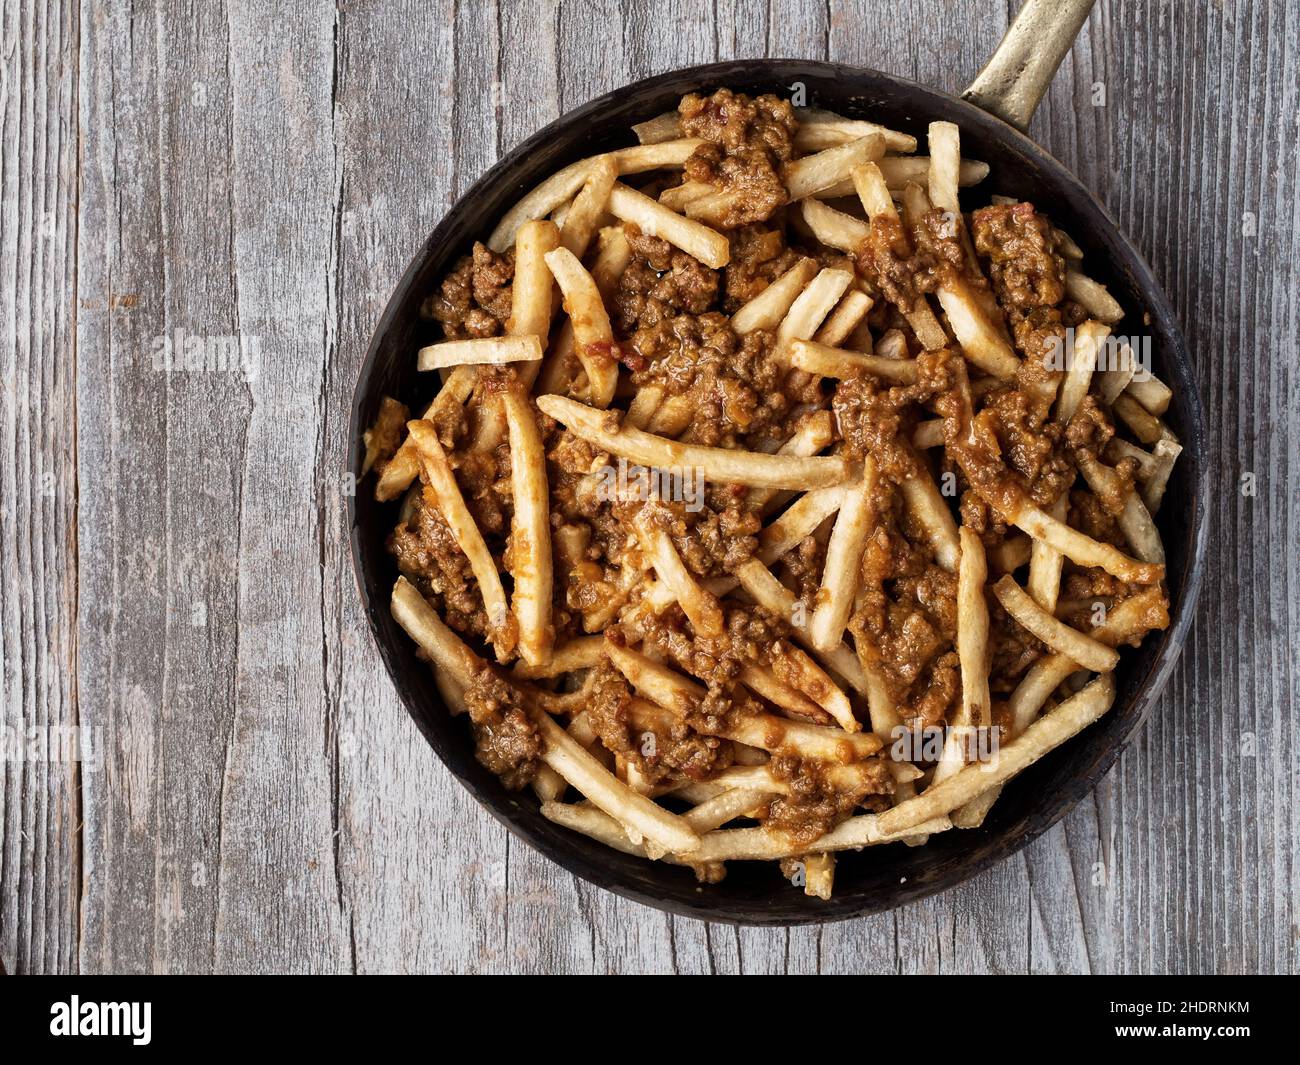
173,564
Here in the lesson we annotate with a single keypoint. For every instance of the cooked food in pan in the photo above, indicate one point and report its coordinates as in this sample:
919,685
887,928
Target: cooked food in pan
771,505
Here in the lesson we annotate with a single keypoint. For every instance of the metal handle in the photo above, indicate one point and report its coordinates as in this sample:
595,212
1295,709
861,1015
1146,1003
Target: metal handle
1016,76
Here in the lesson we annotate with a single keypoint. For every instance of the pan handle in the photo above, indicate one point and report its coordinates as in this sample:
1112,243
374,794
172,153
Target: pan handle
1016,76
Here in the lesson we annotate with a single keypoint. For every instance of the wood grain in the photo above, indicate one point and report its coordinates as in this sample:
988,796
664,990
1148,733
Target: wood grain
174,565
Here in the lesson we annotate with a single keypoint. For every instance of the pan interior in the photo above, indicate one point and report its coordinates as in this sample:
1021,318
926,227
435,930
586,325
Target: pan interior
878,878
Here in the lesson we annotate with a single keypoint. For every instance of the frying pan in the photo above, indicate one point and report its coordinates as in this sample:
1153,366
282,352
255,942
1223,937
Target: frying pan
992,114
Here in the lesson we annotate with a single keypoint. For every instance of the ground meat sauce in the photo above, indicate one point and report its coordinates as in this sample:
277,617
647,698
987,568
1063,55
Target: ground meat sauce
427,555
813,805
905,262
1028,275
1023,262
671,319
759,255
746,142
906,620
505,736
740,393
474,299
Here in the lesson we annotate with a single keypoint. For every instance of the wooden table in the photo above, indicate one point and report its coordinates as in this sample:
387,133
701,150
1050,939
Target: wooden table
173,559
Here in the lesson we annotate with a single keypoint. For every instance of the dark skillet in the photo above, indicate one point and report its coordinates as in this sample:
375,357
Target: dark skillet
878,878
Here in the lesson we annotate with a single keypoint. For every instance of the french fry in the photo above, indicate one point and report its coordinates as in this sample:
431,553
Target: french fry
819,875
669,691
892,345
532,289
797,523
972,652
530,537
700,607
1115,379
928,434
762,586
816,124
662,155
716,464
1145,425
1134,519
404,466
1044,735
1080,548
665,127
563,185
765,844
1088,339
769,307
1045,563
581,220
922,498
445,649
840,576
1147,463
834,228
1130,619
561,365
845,319
1088,652
613,253
453,694
548,785
879,206
680,196
582,652
1093,297
643,406
762,681
1165,453
813,434
980,341
442,483
672,416
899,171
557,189
812,741
812,306
809,175
945,164
825,361
760,777
593,336
656,220
799,671
581,770
717,811
488,351
1151,392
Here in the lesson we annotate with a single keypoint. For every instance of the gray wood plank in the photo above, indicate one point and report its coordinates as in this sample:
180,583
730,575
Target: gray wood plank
201,657
174,562
40,847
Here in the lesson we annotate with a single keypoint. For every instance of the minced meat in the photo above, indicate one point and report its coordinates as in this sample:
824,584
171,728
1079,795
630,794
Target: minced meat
474,299
746,142
506,740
